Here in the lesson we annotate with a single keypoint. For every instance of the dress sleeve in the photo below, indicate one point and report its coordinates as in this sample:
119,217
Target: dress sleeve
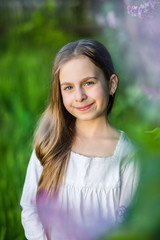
30,219
129,178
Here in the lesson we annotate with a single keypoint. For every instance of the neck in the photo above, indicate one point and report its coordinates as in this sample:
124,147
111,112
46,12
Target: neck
93,128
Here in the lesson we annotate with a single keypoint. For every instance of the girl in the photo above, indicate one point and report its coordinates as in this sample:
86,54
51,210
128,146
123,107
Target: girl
80,161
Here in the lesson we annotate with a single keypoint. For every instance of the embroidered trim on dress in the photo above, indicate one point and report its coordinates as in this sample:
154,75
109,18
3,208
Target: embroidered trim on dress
121,213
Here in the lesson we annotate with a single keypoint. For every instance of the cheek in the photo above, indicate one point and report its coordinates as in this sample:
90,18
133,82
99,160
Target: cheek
101,95
66,100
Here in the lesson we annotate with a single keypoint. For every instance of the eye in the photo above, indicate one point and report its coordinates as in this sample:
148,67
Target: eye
68,88
89,83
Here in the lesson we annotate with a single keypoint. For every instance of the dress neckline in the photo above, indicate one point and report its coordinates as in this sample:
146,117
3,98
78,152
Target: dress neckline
115,153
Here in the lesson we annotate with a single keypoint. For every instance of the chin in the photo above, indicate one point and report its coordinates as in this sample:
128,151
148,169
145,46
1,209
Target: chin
87,118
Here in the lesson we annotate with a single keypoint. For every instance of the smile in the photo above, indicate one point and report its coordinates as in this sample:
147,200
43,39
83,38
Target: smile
85,107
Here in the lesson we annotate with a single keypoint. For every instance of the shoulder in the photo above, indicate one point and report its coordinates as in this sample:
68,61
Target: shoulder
34,164
128,145
128,150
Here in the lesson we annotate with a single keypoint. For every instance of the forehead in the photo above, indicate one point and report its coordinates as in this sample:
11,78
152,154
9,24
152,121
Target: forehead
78,67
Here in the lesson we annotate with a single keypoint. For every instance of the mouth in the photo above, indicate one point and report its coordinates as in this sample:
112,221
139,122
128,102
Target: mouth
85,108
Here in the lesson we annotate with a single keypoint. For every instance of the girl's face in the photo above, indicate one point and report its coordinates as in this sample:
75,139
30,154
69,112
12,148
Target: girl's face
84,88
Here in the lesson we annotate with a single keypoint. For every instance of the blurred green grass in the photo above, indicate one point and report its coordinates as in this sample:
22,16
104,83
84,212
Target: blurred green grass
24,85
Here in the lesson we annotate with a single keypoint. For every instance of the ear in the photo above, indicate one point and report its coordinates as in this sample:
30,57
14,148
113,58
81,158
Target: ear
113,84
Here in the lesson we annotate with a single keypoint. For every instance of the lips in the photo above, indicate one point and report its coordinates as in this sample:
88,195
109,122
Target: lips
85,108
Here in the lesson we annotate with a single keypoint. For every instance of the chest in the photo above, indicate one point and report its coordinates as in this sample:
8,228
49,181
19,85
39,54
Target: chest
95,147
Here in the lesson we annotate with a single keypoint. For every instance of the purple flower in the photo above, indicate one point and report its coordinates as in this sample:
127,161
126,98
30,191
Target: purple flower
60,222
151,92
112,20
144,10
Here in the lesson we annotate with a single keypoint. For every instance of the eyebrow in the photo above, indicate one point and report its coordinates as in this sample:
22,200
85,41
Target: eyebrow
83,80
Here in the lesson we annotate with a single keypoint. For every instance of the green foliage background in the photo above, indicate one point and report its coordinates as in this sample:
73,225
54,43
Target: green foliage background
28,43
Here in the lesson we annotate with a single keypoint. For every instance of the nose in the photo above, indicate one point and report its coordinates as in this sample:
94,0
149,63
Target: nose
80,95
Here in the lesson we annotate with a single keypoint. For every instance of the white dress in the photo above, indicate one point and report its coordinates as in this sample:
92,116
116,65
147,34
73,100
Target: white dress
94,197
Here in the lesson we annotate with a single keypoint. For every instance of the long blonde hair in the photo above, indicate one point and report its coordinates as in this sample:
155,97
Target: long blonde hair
55,133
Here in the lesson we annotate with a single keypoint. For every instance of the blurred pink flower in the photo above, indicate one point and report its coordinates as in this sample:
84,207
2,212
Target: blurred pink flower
61,223
109,19
127,1
112,20
144,10
151,92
